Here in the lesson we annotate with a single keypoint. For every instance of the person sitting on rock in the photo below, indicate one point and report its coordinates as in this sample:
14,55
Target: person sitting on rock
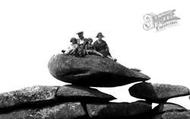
101,46
90,49
72,50
82,43
89,45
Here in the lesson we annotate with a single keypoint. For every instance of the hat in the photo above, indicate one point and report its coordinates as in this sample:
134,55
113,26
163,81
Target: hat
73,40
80,33
99,35
90,39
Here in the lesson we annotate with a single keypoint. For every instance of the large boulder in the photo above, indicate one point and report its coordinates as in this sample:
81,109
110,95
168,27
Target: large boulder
157,92
27,95
92,71
119,110
84,94
60,111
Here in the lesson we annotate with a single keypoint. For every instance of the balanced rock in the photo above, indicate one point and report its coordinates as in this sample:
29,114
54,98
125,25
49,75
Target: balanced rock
27,95
85,94
92,71
60,111
118,110
157,92
173,115
168,107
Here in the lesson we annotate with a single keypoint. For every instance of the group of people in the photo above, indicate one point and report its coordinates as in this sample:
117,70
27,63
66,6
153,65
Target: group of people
85,46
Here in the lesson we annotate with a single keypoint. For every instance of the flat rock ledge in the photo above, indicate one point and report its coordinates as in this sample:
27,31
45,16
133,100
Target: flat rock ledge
157,93
173,115
168,107
78,110
42,95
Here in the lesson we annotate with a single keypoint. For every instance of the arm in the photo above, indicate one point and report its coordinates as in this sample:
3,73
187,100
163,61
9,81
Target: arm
105,45
94,45
68,50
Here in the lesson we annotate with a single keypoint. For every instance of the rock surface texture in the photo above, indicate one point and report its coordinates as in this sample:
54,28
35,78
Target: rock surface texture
72,93
42,94
174,115
118,110
27,95
59,111
168,107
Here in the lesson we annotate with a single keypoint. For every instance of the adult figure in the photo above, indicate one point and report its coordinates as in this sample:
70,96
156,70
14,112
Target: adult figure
82,42
81,39
101,46
90,48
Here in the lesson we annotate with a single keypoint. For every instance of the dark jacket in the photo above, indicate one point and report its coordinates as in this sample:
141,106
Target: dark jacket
102,47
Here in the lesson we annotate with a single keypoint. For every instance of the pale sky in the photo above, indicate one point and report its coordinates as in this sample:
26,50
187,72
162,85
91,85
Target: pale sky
32,31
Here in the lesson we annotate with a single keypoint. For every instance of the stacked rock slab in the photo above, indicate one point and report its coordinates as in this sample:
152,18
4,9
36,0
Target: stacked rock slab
160,93
78,100
48,102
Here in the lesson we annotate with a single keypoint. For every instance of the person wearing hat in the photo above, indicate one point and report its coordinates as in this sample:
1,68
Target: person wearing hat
72,49
101,46
82,44
90,49
81,39
80,35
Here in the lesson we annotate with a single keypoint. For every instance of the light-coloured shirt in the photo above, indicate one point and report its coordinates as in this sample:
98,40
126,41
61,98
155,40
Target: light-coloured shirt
71,48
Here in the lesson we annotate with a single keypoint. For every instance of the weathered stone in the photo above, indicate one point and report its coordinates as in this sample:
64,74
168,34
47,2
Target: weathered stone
118,110
173,115
168,107
27,95
72,93
60,111
92,71
157,92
